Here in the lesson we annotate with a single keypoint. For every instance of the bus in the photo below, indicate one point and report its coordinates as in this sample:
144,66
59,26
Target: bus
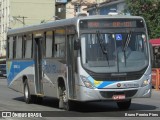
155,46
91,58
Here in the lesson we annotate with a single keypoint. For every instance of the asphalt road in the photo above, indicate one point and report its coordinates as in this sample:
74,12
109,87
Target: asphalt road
13,101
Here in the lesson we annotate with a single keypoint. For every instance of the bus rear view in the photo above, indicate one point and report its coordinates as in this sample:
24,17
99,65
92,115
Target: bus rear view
114,61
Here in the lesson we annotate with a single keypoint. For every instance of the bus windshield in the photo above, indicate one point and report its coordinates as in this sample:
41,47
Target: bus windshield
114,52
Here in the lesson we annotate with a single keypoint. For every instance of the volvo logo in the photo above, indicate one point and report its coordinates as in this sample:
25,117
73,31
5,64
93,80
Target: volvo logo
119,85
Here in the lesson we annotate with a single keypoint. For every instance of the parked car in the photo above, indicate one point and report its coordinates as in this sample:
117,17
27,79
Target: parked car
3,70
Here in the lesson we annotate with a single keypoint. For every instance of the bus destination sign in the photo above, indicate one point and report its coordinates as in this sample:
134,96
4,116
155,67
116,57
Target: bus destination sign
87,24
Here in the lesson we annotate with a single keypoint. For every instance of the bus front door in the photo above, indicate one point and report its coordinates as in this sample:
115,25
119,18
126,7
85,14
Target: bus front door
38,65
71,65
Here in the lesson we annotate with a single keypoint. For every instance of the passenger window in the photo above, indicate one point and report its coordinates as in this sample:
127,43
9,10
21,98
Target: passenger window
59,44
19,47
28,46
49,43
10,47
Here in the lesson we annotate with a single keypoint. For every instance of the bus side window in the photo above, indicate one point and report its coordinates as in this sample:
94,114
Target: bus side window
18,47
49,43
59,44
28,46
10,42
14,47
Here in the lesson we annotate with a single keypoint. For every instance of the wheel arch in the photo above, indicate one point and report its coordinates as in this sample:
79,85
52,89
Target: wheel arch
24,78
29,82
60,83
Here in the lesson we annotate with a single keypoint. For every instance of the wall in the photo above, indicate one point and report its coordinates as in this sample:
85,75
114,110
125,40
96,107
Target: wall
13,11
104,7
34,11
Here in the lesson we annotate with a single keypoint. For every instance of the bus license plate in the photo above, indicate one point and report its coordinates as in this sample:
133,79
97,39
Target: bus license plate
118,97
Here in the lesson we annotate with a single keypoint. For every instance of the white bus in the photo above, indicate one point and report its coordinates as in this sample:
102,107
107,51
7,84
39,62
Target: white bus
92,58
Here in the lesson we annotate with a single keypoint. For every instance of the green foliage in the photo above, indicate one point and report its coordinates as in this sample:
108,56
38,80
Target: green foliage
150,10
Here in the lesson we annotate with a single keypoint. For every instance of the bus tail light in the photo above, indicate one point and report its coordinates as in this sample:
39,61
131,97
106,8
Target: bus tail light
86,82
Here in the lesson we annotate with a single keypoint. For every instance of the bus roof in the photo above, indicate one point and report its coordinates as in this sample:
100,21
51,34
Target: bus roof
64,22
155,42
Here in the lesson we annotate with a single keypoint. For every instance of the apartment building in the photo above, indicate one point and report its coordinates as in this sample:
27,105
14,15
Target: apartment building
4,24
106,6
69,8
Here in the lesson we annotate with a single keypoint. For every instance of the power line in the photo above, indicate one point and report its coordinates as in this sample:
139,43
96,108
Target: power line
18,18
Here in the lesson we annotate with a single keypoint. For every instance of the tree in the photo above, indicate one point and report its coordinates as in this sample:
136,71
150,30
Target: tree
149,9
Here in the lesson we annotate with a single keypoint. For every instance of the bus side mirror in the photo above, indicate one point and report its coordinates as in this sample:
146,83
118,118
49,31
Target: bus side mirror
76,44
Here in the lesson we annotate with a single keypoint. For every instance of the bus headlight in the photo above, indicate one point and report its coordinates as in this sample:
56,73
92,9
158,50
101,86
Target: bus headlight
147,81
86,82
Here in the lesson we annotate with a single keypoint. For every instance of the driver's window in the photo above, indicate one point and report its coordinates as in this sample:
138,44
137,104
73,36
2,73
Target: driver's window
139,43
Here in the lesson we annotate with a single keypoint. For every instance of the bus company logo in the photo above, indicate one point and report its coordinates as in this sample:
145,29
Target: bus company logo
6,114
21,114
118,84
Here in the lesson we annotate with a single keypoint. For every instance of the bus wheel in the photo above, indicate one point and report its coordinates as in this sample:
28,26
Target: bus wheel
36,99
64,103
40,100
27,96
124,104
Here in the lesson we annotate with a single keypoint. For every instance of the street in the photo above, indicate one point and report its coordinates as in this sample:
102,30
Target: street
13,101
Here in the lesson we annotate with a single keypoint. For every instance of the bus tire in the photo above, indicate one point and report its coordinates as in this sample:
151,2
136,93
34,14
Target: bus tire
68,105
64,103
27,95
36,99
39,100
60,98
124,104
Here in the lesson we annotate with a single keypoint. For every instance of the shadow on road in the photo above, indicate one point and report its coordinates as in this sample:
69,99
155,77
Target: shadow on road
88,107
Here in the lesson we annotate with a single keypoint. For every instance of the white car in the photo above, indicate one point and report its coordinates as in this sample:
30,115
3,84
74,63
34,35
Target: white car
113,12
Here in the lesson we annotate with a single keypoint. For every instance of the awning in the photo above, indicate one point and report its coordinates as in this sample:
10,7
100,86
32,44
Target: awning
155,42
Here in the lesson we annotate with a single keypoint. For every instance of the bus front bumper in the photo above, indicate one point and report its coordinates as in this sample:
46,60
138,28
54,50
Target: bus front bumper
87,94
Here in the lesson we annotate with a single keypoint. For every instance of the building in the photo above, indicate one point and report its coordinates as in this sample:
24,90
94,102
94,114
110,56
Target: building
4,24
69,8
107,6
19,13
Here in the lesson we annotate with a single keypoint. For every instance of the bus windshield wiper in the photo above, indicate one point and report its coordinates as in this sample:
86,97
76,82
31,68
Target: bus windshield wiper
125,45
102,45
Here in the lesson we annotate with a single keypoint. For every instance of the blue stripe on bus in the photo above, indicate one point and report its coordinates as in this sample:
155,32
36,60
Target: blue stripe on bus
106,83
91,79
15,67
101,84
